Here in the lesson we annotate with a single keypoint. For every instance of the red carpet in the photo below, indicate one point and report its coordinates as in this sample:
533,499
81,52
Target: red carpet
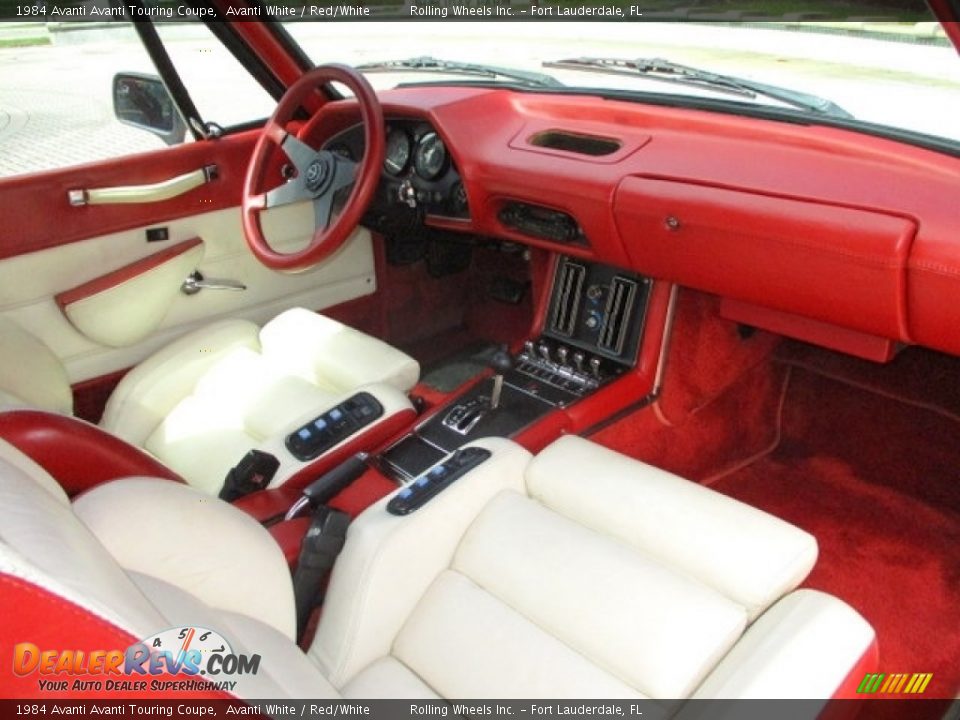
718,405
877,482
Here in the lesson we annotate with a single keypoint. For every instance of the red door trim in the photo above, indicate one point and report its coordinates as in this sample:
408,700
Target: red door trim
37,214
127,272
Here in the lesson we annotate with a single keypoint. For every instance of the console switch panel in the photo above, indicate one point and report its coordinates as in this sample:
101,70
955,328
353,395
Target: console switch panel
335,425
430,483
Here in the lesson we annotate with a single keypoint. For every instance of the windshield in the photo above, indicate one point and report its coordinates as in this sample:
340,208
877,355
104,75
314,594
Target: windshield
905,75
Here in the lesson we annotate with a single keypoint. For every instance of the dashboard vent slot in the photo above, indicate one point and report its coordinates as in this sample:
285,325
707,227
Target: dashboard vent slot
569,288
616,323
575,143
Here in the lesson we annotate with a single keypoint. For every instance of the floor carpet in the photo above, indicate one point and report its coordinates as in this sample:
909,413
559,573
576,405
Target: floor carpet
876,478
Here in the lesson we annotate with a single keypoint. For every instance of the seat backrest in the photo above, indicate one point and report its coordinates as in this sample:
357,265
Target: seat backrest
42,543
332,355
129,571
31,375
585,574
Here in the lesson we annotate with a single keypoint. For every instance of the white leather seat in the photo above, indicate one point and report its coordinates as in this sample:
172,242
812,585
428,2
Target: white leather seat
577,574
580,573
237,584
203,401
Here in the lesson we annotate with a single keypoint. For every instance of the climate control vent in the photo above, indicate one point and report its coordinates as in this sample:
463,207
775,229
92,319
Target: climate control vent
616,322
567,292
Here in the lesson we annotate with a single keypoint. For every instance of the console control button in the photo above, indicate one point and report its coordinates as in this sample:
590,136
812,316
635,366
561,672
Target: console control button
335,425
436,479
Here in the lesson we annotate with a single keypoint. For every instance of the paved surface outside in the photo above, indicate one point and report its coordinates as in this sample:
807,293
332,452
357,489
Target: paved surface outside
55,104
51,115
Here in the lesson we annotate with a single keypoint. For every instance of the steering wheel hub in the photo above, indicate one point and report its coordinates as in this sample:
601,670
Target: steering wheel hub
320,172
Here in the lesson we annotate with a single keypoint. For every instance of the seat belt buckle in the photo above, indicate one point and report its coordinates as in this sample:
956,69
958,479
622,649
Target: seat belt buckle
254,472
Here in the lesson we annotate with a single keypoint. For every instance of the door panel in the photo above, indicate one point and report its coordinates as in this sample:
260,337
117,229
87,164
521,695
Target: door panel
37,212
49,246
126,305
29,283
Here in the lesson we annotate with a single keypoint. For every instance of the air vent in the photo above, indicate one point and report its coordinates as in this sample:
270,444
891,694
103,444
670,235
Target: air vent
575,143
569,287
616,324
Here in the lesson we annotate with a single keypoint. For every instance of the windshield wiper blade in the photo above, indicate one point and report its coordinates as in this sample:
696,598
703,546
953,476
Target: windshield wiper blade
429,64
667,71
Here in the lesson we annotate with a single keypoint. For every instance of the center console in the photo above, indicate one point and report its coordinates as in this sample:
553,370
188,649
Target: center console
592,332
590,337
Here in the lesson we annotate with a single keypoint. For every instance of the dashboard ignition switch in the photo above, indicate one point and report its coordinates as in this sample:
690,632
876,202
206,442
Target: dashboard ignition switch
407,193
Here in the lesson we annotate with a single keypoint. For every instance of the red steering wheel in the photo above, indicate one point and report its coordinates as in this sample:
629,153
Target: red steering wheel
320,174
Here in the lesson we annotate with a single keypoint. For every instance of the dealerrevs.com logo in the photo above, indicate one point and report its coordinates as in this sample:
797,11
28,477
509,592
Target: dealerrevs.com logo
188,658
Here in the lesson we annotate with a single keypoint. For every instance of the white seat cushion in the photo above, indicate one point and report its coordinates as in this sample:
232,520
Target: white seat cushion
807,629
150,391
749,556
589,575
200,404
206,399
658,631
184,544
466,643
332,355
30,374
44,543
388,678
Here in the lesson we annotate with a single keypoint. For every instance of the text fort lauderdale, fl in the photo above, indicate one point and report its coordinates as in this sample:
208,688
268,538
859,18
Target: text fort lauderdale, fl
464,10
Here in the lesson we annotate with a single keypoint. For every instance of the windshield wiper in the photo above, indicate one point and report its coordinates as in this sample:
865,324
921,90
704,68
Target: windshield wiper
666,71
433,65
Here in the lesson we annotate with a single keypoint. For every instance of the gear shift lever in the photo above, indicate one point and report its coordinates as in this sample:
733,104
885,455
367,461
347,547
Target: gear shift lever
501,362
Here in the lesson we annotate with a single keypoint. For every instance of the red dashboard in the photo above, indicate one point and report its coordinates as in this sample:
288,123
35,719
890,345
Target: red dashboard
828,234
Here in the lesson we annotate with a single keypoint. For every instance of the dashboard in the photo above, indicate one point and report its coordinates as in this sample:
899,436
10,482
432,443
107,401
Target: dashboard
834,236
419,175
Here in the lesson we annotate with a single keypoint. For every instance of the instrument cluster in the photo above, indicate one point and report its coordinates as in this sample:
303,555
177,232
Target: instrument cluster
418,171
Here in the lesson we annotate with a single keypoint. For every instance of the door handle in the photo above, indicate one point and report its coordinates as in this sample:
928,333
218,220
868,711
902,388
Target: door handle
195,282
155,192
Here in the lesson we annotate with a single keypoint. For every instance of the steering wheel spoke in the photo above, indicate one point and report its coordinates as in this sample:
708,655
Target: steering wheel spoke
299,153
345,173
322,211
290,192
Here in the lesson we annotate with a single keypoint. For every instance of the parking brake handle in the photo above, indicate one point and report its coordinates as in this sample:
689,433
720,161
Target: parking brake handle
329,484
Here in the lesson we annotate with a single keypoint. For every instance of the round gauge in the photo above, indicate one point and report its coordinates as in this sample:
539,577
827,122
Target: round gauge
431,157
398,151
